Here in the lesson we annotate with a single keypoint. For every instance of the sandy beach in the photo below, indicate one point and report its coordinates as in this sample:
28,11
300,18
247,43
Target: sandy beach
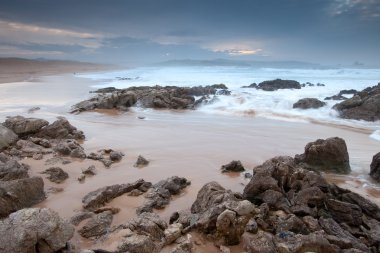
188,144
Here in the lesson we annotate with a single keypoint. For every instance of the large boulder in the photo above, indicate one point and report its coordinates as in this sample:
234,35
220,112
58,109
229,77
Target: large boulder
24,126
309,103
326,155
34,230
365,105
60,129
278,84
375,167
21,193
101,196
7,137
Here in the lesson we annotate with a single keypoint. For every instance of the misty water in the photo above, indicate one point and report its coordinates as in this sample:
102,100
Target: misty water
252,102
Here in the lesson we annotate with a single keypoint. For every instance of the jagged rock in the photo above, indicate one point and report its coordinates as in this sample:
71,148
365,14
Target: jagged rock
261,242
368,207
278,84
173,232
116,156
29,149
141,162
234,166
138,243
365,105
185,246
309,103
375,167
10,169
292,224
70,148
56,174
7,137
326,155
251,226
24,126
340,96
159,195
344,212
103,195
97,225
113,210
252,85
79,217
21,193
89,171
311,223
34,230
60,129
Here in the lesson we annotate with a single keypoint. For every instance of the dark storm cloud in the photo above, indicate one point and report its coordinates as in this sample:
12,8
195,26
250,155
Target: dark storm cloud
326,31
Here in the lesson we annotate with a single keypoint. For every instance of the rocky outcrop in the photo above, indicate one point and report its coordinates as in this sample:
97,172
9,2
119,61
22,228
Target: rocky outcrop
278,84
56,174
21,193
24,126
375,167
160,194
326,155
34,230
60,129
7,137
365,105
308,103
168,97
104,195
233,166
340,96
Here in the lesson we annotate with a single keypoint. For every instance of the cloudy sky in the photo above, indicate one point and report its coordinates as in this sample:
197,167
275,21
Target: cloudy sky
144,31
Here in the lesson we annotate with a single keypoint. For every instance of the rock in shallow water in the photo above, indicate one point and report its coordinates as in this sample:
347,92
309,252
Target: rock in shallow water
308,103
375,167
56,174
234,166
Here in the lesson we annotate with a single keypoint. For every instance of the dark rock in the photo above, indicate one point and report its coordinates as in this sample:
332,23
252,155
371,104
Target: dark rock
97,225
261,242
368,207
103,195
252,85
326,155
309,103
21,193
80,216
34,230
347,92
24,126
141,162
34,109
138,243
375,167
279,84
251,226
89,171
11,170
365,105
56,174
116,156
105,90
185,246
7,137
29,149
234,166
344,212
41,141
60,129
335,97
70,148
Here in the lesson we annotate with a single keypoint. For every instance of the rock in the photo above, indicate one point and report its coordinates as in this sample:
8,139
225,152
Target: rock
309,103
116,156
173,232
375,167
113,210
141,162
56,174
33,109
340,96
185,246
326,155
138,243
11,170
234,166
335,97
29,149
21,193
252,85
38,156
80,216
368,207
70,148
60,129
89,171
311,223
251,226
103,195
7,137
148,223
97,225
34,230
24,126
292,224
261,242
81,177
224,249
344,212
365,105
159,195
278,84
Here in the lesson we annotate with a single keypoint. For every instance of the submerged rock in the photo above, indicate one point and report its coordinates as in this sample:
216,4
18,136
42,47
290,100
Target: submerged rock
70,148
34,230
56,174
365,105
326,155
278,84
141,162
308,103
234,166
375,167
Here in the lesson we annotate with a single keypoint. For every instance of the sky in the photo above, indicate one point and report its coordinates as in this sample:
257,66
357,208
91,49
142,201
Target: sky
328,32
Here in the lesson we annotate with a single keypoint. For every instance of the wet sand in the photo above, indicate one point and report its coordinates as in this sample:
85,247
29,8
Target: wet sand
189,144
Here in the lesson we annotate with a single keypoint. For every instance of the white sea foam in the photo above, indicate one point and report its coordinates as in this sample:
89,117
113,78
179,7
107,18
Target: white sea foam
375,135
244,101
